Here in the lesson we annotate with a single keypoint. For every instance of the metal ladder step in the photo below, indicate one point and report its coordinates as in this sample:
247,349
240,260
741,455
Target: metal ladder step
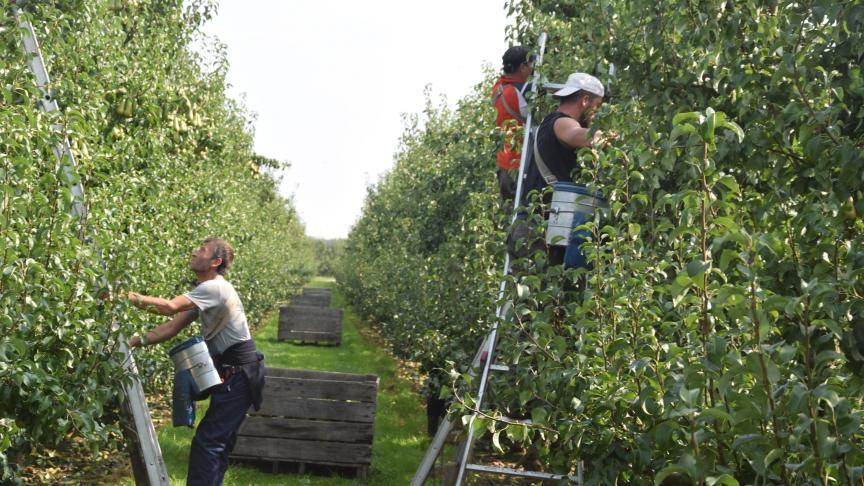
521,473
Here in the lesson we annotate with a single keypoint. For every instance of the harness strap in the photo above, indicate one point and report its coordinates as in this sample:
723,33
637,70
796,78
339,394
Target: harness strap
547,174
499,94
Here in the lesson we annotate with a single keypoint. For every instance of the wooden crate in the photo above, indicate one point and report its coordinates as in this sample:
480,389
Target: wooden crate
313,297
317,291
310,324
312,417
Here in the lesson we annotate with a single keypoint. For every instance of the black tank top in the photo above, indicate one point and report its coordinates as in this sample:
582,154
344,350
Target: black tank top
559,159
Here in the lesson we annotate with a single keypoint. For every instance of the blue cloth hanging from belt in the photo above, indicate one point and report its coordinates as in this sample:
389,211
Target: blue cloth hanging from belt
182,401
573,256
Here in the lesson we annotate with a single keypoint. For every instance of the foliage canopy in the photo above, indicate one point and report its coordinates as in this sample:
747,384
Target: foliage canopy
719,339
166,160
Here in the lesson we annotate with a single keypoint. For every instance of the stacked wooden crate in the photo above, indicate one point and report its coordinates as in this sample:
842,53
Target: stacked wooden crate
309,319
312,417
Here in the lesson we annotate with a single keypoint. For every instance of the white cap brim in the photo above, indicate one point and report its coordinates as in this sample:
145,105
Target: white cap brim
565,91
552,86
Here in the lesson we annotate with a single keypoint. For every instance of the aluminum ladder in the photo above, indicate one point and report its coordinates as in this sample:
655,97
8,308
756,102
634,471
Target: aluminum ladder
148,466
484,358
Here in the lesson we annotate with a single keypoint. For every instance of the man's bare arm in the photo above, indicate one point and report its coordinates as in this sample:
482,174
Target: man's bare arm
165,331
161,306
573,136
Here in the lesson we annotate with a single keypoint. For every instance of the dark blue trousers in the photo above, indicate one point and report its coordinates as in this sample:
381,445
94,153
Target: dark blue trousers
217,433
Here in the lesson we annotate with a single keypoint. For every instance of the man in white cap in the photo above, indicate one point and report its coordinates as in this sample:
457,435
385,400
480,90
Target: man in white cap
563,132
552,156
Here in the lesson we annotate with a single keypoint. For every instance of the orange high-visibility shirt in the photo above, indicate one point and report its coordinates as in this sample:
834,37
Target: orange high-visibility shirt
507,104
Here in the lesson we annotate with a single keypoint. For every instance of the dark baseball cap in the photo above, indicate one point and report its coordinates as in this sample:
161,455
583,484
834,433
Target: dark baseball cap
515,56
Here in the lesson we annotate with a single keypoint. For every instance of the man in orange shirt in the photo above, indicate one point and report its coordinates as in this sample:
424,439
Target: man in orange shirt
508,99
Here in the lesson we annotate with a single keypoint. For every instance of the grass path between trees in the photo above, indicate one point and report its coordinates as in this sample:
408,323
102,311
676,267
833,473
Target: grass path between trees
400,420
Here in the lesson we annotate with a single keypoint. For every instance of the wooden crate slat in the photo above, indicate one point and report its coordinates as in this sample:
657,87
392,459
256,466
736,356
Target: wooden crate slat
313,319
317,291
318,375
296,425
331,324
310,337
312,300
300,312
286,334
321,327
317,409
359,391
300,465
298,429
303,450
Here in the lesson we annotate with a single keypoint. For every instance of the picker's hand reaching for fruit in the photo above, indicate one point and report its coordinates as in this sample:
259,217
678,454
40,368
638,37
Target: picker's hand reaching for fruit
164,332
601,138
159,305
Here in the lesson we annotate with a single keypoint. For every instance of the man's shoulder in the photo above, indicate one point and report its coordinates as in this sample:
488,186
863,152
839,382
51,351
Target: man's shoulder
208,284
558,115
562,121
505,83
499,85
215,285
552,119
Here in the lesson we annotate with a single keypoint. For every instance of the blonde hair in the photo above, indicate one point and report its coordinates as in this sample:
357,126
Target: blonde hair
221,249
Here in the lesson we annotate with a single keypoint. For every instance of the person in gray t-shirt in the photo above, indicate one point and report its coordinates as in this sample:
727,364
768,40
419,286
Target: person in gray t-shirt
223,322
216,304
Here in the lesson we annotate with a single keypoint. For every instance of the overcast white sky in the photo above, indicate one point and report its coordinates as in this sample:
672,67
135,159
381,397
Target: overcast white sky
329,81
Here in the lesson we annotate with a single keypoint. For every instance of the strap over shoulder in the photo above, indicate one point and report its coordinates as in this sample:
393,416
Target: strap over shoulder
547,174
517,113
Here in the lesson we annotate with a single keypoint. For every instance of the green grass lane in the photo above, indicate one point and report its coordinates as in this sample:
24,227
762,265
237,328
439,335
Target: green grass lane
400,438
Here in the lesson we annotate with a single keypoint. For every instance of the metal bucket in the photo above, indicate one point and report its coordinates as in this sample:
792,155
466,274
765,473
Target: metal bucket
572,205
193,355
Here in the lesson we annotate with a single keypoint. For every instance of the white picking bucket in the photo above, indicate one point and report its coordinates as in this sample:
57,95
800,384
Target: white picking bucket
193,355
572,205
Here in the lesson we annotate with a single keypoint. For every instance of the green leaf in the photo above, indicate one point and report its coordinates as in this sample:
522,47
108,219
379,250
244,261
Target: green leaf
722,480
496,441
772,456
730,184
685,117
695,268
827,355
689,396
479,425
746,438
682,130
708,126
672,471
755,366
828,396
717,414
538,415
734,127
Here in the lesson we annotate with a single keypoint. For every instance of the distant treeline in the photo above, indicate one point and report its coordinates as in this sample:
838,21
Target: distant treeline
327,253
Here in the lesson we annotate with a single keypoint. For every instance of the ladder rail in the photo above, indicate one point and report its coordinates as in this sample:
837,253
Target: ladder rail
507,471
517,198
437,443
491,341
62,149
150,453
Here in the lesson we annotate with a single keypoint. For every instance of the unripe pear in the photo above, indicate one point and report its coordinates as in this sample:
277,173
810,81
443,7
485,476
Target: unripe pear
847,212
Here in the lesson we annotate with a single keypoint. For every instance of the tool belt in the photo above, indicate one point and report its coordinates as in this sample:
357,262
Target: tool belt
227,371
244,357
